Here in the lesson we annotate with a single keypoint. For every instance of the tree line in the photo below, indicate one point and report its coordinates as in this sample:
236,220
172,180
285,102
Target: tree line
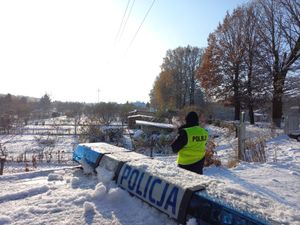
252,58
18,111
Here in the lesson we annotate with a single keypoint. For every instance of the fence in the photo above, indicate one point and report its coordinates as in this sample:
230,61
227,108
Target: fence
48,129
41,157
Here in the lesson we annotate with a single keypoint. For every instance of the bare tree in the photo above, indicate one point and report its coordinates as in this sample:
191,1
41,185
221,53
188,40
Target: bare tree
105,113
123,111
279,30
257,82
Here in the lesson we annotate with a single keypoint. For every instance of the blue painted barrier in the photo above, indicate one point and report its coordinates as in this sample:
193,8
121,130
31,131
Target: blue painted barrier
215,211
93,152
142,177
88,154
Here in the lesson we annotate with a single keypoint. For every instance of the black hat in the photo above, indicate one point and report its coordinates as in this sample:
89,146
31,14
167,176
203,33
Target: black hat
192,118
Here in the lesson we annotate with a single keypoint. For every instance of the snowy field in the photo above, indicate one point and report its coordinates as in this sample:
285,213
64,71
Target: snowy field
21,148
54,194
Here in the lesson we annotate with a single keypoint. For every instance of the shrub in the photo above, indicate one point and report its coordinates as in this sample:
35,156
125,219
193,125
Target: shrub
210,156
90,133
159,143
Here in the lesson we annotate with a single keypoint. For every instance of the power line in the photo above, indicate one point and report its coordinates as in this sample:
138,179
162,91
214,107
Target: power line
122,21
123,28
132,40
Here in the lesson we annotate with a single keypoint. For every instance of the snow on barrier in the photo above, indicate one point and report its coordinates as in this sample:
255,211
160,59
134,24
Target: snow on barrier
93,152
176,192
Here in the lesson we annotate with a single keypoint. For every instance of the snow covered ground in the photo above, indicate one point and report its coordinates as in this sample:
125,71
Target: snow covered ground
277,181
67,196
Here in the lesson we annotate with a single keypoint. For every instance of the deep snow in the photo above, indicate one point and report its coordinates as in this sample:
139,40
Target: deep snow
67,196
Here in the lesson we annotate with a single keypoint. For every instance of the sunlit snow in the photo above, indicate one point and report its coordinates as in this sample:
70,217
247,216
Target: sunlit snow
60,194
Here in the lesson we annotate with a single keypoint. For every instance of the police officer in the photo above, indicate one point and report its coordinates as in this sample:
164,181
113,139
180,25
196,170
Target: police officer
190,144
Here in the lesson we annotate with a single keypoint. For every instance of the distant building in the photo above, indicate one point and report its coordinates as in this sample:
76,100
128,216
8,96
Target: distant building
141,112
260,116
292,122
139,115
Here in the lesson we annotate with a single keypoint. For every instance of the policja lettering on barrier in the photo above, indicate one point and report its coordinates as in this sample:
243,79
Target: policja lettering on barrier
152,189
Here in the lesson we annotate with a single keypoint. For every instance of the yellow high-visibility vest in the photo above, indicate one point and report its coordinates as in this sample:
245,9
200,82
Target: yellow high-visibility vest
194,150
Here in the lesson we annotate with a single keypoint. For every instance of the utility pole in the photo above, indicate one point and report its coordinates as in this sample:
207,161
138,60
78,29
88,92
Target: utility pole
98,95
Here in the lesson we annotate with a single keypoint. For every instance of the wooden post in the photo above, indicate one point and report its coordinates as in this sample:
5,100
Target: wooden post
75,125
2,161
241,136
152,144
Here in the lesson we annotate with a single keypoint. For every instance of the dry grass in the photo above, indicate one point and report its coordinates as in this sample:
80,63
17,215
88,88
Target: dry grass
210,156
232,163
255,150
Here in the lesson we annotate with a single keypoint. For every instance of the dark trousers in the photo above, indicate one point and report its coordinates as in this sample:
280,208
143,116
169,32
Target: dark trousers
196,167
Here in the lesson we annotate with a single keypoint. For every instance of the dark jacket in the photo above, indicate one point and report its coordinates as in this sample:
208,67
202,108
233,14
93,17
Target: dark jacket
191,121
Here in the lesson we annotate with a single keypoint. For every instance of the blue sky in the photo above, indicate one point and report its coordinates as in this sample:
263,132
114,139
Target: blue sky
67,48
183,22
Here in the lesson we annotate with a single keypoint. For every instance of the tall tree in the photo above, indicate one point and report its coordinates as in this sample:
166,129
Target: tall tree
124,110
163,95
45,104
105,113
221,71
6,104
176,84
279,30
23,109
257,82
